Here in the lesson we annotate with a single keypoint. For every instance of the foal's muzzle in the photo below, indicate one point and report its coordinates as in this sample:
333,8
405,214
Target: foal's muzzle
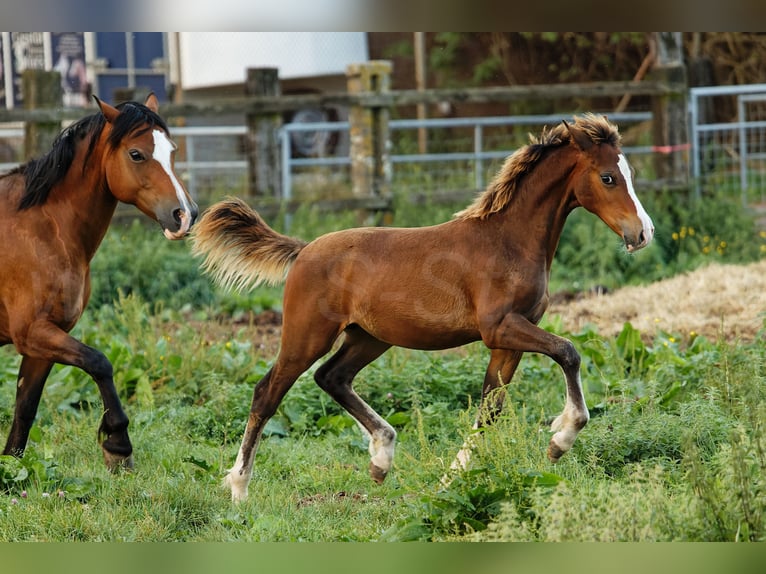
636,241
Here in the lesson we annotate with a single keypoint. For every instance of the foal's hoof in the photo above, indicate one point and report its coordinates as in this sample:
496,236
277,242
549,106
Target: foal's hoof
117,462
377,473
554,452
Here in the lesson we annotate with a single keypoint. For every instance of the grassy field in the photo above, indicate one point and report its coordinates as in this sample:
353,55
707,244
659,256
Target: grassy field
675,449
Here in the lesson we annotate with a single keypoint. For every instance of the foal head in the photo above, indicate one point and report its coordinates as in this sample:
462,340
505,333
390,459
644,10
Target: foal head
138,165
602,180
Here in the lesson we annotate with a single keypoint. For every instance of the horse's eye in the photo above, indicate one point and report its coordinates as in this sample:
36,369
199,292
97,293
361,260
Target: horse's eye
607,179
136,155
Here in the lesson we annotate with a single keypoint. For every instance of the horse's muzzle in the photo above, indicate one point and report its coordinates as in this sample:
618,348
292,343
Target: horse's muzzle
634,242
183,220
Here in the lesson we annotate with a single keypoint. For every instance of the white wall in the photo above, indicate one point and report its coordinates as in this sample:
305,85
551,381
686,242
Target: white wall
215,58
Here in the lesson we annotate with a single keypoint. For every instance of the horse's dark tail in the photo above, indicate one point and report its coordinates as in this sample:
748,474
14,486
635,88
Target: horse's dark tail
240,250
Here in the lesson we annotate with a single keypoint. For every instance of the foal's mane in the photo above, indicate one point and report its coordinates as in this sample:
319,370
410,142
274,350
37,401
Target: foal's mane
43,173
501,189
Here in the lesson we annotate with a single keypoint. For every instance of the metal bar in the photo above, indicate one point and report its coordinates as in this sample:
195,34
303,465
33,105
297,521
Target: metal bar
742,150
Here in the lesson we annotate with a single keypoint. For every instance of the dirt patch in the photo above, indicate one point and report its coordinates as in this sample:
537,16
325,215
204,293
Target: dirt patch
726,301
263,330
715,301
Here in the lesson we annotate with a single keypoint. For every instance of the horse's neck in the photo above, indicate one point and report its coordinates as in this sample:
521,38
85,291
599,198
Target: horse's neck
535,217
87,204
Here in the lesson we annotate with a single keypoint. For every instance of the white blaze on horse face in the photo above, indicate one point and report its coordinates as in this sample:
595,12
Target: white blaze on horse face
624,166
163,150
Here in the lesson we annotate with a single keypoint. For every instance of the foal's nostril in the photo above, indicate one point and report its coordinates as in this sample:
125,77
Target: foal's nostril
641,238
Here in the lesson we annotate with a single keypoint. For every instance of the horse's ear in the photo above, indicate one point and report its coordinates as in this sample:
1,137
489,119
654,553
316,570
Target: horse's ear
579,137
110,112
152,103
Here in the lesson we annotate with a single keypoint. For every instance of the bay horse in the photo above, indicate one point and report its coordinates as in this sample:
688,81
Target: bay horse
481,276
54,212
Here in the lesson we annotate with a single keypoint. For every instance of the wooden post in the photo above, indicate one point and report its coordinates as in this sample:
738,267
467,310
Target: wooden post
670,122
41,89
263,147
368,131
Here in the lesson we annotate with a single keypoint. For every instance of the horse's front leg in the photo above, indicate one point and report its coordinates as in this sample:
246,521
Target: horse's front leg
502,366
46,342
29,388
515,332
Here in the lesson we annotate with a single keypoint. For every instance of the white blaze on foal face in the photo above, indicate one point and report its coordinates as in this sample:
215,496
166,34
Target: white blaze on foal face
624,167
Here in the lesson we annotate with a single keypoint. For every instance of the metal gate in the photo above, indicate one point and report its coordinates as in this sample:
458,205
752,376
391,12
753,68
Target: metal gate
729,156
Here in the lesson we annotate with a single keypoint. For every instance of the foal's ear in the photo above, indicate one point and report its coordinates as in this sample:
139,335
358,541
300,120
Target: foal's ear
152,103
110,112
579,137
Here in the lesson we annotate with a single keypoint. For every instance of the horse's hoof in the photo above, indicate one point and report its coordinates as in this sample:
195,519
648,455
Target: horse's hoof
117,462
554,452
377,473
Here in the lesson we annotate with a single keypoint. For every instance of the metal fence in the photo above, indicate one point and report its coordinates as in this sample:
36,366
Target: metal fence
729,156
463,153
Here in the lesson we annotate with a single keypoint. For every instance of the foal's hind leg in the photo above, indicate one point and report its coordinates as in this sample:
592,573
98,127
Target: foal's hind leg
267,395
29,389
335,377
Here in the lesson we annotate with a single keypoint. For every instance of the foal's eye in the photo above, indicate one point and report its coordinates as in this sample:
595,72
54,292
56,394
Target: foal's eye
607,179
136,155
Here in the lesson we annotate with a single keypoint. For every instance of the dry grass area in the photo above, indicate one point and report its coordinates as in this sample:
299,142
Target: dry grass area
715,301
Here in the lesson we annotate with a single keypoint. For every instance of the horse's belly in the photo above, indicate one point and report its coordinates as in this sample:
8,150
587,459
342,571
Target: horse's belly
416,327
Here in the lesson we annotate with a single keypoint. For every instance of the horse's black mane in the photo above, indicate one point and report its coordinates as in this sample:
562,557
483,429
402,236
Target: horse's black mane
43,173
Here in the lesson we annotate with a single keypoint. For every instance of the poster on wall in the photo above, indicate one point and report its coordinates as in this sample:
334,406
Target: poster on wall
68,57
2,73
28,52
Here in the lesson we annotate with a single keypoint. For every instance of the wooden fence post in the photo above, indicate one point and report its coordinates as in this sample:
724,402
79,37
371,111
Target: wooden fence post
368,133
263,147
41,89
670,131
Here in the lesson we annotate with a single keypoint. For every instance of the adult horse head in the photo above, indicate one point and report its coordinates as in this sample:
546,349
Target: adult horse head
138,164
54,213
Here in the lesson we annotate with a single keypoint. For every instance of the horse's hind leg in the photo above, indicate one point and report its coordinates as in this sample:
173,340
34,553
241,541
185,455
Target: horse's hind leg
29,388
267,395
335,377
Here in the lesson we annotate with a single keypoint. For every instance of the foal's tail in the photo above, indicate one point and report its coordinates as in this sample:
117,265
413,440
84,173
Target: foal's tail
240,250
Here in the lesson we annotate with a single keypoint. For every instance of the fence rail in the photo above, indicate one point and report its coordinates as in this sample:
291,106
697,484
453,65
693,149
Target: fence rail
256,158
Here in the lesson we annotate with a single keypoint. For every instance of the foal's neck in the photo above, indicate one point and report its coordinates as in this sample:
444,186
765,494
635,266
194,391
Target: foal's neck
536,216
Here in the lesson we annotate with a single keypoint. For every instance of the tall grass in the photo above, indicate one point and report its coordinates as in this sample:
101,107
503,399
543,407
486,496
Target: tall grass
674,450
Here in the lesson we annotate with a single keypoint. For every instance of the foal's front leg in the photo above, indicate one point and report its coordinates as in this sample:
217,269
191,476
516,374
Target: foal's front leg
515,332
502,366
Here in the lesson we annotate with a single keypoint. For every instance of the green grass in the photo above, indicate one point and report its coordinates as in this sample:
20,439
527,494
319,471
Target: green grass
674,450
